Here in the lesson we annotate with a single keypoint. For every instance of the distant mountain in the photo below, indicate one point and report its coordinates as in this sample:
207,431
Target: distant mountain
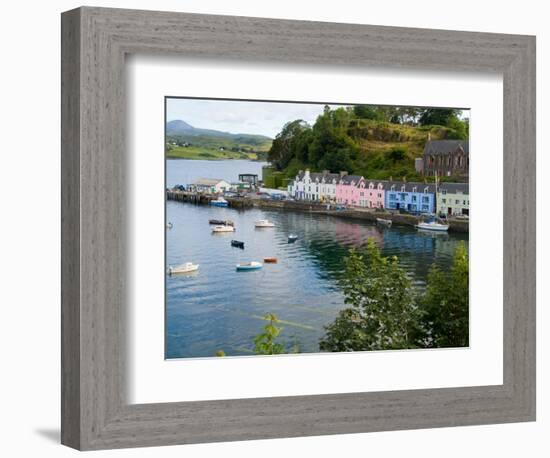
183,129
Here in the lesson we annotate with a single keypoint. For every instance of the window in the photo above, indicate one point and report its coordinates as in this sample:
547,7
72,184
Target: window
392,196
425,199
457,202
414,198
444,201
425,207
403,196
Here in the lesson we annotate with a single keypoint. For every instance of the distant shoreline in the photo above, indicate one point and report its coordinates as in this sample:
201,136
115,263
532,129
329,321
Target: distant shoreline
179,158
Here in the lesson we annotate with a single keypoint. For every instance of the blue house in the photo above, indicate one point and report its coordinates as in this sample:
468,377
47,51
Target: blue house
409,197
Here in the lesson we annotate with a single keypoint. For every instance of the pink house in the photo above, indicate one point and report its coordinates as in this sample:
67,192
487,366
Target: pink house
347,190
371,194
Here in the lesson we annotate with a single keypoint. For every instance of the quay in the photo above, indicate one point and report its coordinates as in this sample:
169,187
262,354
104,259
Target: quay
401,219
204,199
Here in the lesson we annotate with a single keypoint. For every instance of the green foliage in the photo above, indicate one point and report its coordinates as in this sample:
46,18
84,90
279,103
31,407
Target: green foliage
437,116
397,154
383,314
458,130
220,353
368,112
378,142
288,143
264,343
386,314
445,304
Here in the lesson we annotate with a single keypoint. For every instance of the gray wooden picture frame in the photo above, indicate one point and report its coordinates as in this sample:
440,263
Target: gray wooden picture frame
95,412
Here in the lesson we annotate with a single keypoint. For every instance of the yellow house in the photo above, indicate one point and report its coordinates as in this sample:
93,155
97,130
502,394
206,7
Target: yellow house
453,199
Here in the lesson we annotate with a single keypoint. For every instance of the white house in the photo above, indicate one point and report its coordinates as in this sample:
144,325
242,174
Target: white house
213,185
316,187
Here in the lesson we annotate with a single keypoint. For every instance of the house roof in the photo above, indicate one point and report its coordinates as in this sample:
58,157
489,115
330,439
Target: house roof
435,147
207,181
348,179
454,188
409,186
319,176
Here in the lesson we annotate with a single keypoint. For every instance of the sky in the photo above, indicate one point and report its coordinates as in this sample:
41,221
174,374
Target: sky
262,118
241,117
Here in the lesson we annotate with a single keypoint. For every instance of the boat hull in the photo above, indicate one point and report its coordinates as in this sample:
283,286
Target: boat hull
183,269
384,222
428,227
247,267
223,229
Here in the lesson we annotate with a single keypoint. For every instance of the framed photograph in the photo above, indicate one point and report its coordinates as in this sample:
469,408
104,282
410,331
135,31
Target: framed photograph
286,228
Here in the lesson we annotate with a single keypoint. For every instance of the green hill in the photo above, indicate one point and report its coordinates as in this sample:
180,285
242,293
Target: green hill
184,141
341,139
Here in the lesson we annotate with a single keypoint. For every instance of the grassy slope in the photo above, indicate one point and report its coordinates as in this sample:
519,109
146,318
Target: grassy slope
376,141
208,148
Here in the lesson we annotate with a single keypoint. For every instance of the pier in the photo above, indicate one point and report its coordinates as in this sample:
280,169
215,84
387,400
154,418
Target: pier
205,199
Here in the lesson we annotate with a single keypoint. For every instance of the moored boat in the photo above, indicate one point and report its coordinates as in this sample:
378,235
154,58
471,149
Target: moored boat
270,260
263,223
169,225
244,266
237,244
219,202
221,222
183,268
384,222
221,229
433,226
292,238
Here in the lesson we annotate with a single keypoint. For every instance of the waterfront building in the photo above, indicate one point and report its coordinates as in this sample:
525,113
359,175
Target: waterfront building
250,178
316,187
371,194
446,158
453,199
327,186
213,185
347,189
410,197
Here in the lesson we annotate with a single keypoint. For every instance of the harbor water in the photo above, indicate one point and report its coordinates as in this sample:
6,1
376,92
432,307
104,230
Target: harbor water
218,308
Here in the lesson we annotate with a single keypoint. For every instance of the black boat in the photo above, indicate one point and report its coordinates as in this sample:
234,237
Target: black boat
237,244
221,222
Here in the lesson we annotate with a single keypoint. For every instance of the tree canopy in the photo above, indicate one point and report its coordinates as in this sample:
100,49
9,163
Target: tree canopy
385,313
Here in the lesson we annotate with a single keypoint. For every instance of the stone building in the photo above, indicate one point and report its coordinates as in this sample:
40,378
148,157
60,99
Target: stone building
446,158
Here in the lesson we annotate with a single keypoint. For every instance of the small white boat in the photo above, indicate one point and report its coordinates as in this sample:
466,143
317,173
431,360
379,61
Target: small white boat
183,268
292,238
264,223
254,265
169,225
384,222
433,226
219,229
219,202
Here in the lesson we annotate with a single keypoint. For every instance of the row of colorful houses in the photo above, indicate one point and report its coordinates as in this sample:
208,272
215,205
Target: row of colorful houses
357,191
